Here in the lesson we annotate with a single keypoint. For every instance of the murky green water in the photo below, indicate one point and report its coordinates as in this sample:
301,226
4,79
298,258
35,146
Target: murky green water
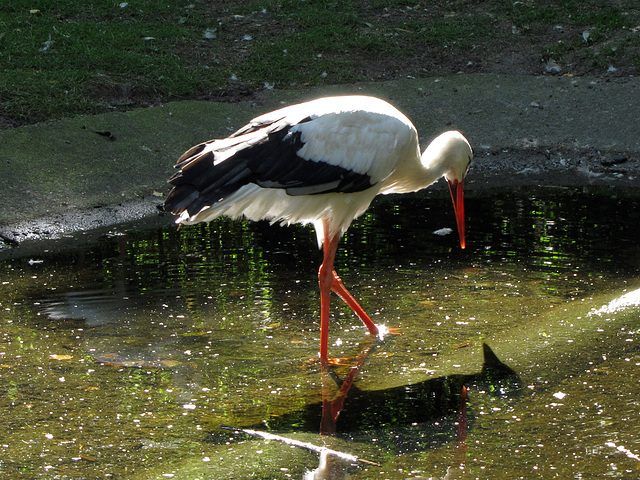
122,358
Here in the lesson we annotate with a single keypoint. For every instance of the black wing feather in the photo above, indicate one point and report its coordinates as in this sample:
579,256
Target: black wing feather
269,161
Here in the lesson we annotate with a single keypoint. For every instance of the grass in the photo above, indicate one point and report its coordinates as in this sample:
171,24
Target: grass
66,57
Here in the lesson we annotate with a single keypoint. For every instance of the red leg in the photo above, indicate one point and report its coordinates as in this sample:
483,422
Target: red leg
344,294
325,280
325,299
329,280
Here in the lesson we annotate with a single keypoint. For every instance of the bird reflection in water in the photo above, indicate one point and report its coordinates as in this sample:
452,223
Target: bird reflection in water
403,419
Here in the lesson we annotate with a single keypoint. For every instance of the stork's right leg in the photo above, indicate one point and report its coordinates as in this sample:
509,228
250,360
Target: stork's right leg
325,280
328,281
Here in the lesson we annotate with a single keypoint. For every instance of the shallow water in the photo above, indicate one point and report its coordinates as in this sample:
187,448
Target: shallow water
122,358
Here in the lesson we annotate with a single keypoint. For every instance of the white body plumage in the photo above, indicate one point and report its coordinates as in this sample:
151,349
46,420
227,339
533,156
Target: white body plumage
337,154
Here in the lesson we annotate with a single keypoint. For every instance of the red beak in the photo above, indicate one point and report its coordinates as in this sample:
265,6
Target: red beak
457,196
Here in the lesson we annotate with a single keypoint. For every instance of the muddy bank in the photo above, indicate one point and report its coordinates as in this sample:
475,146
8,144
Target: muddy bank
93,172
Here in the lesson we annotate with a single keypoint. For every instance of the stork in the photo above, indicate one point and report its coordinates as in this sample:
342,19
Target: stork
321,162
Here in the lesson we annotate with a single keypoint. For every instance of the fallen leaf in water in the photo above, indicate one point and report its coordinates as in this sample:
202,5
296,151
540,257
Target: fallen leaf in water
194,334
60,357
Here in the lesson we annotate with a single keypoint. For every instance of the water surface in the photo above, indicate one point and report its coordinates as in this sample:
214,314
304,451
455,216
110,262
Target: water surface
122,358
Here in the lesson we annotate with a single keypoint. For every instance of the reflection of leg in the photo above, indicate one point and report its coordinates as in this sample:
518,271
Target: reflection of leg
462,416
332,405
457,468
329,415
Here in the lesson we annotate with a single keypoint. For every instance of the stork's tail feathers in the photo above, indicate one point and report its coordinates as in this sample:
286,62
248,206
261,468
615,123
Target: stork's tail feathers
179,199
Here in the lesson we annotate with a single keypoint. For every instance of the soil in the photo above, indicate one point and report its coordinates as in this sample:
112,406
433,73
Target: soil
527,49
530,48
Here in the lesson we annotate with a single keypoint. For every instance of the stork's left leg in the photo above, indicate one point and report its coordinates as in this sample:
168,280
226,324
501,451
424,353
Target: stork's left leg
344,294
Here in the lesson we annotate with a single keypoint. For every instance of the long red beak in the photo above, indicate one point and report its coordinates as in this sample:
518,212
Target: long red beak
457,196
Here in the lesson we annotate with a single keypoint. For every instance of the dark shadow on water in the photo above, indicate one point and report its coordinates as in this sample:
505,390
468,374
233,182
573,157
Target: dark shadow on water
401,419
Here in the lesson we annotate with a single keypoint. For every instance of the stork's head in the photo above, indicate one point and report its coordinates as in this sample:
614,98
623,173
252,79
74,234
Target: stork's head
453,154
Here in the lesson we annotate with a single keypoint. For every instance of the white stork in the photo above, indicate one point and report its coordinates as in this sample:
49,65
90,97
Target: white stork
319,162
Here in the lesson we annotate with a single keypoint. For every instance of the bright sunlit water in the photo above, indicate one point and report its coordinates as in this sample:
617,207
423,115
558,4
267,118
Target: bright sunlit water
122,357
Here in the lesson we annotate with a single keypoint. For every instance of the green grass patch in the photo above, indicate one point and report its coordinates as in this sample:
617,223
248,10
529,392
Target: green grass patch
65,57
320,42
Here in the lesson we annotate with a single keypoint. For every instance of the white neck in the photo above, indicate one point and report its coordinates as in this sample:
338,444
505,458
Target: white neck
412,175
447,155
